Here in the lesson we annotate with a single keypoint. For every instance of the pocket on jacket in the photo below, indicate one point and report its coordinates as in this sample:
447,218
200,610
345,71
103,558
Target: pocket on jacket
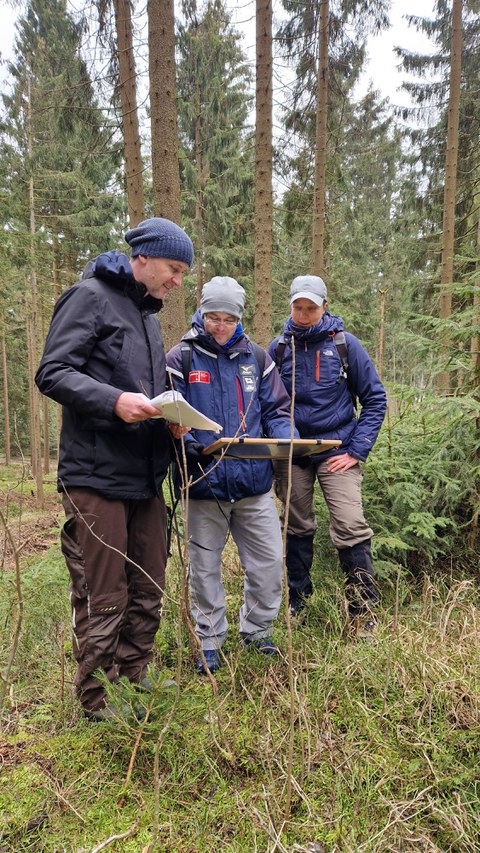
121,375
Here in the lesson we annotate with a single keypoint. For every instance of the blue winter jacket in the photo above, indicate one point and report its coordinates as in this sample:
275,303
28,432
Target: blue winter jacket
323,400
225,384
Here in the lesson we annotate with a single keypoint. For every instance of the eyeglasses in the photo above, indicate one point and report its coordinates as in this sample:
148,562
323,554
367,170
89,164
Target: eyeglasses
216,321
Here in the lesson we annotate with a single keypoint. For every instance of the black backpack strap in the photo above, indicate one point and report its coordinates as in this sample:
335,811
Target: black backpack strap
260,356
186,353
341,344
280,352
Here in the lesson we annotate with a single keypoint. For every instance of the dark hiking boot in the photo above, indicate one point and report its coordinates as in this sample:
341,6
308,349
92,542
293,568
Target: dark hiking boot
110,714
299,558
297,605
212,660
363,628
360,588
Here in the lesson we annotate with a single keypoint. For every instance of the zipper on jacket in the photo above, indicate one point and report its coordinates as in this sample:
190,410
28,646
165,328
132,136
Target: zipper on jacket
317,366
240,406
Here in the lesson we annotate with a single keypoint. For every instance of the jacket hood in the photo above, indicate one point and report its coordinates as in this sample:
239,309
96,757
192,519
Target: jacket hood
114,267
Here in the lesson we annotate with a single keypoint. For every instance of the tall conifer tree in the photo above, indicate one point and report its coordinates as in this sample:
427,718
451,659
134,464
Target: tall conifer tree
58,163
216,147
127,92
165,150
349,23
430,93
263,173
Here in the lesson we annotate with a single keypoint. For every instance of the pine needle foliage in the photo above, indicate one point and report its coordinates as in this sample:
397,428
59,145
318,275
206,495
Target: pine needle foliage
420,482
215,139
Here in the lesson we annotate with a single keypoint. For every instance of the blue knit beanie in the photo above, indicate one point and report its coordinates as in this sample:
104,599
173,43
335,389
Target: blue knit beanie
160,238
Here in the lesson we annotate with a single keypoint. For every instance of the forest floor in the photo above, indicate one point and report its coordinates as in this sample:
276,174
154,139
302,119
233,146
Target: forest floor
33,529
335,746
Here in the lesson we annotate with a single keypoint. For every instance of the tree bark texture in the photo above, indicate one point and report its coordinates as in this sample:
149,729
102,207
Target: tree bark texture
6,402
201,169
475,339
263,174
165,168
451,158
32,329
381,335
128,102
318,213
45,409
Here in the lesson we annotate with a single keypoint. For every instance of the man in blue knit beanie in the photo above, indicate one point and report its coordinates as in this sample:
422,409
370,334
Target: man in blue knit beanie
103,359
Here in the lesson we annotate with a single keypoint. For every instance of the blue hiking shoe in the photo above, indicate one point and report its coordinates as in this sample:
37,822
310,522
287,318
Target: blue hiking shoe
212,660
264,645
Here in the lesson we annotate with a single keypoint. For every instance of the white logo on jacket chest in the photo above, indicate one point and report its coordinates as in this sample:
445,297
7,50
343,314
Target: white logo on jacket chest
248,375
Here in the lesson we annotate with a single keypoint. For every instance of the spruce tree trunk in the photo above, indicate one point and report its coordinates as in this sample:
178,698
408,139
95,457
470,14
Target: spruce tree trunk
6,406
381,336
451,157
46,422
474,349
200,170
56,294
128,102
475,340
32,327
165,165
263,175
32,337
318,215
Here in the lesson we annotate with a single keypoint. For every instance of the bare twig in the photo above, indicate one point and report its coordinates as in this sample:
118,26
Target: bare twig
61,796
118,837
288,620
5,681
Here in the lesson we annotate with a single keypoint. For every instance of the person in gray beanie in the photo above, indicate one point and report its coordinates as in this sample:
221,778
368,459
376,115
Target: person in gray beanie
332,370
223,293
226,376
103,359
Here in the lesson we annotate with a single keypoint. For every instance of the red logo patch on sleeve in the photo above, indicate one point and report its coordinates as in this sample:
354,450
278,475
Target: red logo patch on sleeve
199,376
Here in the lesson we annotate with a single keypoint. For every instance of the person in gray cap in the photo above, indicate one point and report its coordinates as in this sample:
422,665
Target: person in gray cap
226,376
103,353
332,370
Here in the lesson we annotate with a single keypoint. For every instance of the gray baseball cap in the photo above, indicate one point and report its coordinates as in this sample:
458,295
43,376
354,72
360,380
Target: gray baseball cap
308,287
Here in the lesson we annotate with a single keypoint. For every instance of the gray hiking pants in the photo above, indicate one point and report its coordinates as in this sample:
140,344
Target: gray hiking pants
115,605
255,527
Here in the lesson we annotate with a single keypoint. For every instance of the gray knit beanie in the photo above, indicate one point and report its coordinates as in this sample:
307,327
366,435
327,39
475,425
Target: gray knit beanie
308,287
223,293
160,238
